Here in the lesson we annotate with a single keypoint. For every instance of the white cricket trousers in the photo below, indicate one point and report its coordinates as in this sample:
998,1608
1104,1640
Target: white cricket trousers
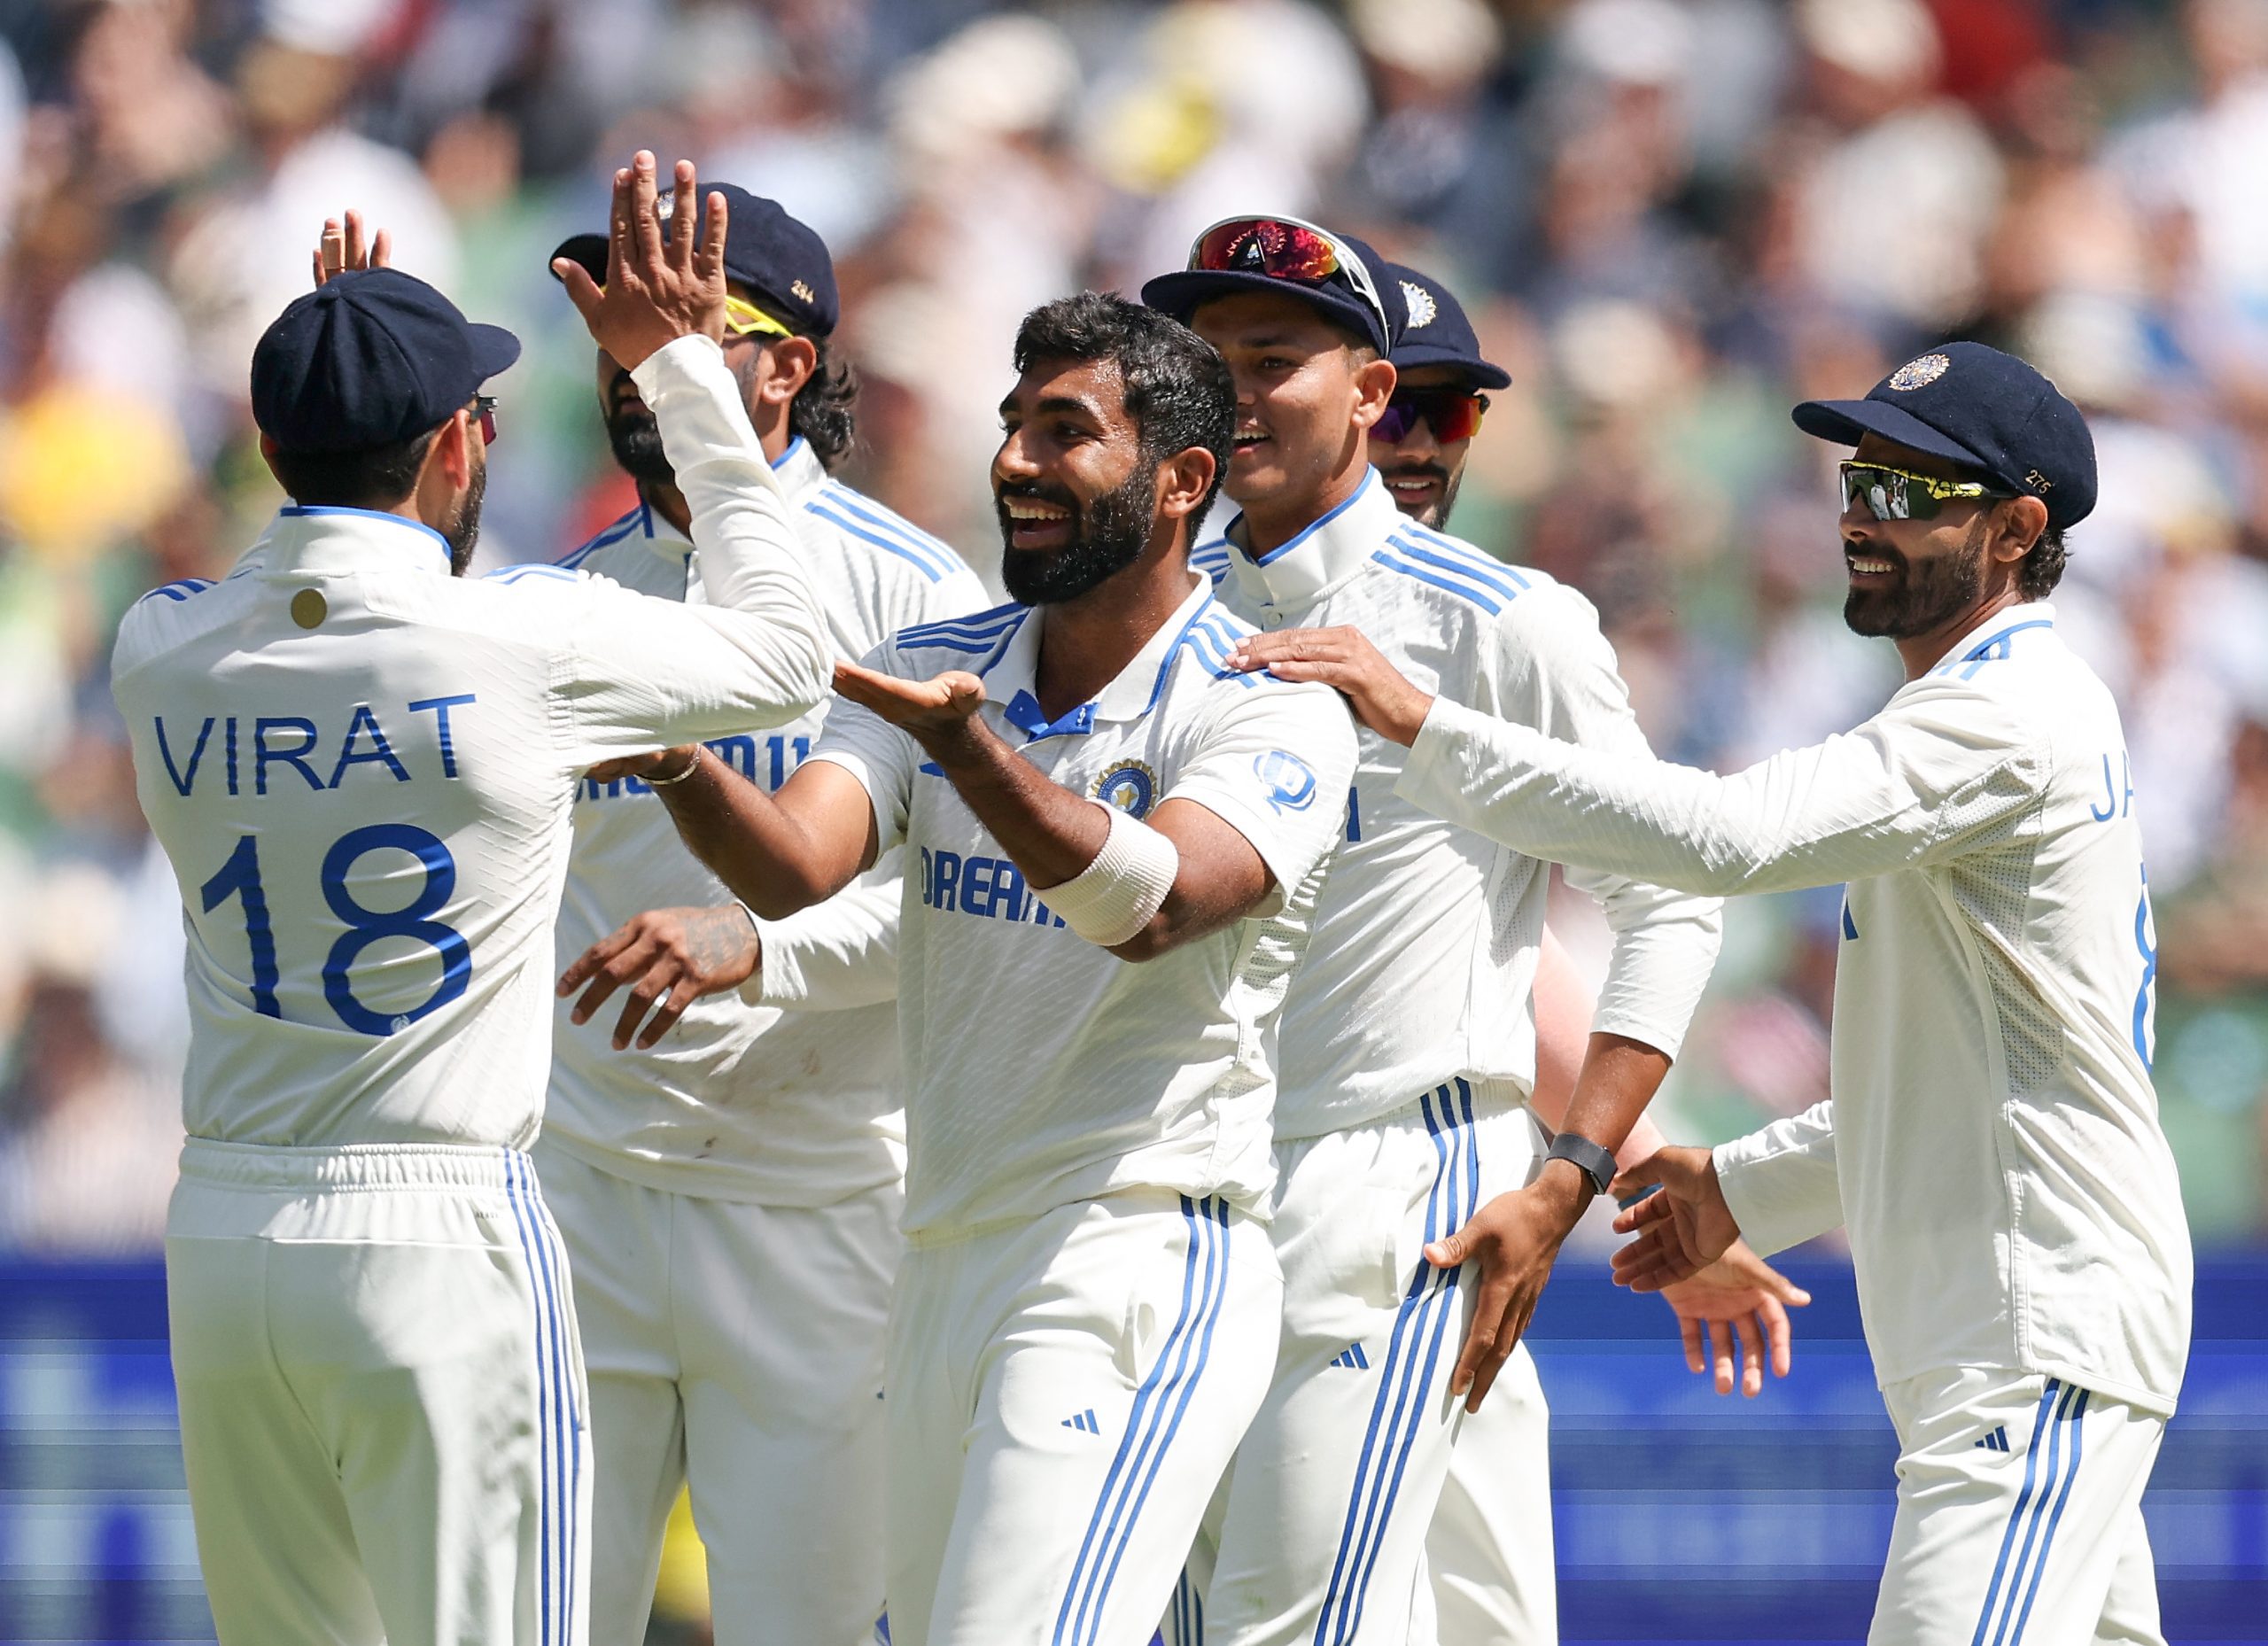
2019,1515
1063,1395
1320,1536
1488,1552
735,1349
382,1399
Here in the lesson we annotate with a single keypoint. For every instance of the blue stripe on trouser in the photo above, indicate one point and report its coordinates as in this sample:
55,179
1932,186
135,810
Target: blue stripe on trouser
560,1441
1396,1417
2033,1496
2078,1409
1159,1403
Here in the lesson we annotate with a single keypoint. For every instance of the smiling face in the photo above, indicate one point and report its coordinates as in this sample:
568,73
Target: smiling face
1076,493
1911,577
1421,472
1306,396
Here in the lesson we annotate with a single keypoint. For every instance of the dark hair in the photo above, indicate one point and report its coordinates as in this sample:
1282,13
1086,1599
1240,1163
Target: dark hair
825,410
376,478
1178,390
2042,566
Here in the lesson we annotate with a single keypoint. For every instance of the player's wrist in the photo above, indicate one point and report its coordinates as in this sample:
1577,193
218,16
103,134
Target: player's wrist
1565,1189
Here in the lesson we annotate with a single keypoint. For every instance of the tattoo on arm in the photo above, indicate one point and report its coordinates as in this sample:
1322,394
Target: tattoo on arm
715,939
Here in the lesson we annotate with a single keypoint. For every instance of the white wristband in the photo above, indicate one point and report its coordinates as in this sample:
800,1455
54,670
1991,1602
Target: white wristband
1113,897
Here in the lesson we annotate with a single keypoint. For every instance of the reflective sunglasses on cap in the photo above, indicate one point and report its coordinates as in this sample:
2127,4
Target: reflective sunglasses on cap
1285,248
1899,494
484,413
1453,415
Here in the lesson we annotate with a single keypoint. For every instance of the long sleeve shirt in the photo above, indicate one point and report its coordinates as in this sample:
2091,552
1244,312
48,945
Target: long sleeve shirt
1993,1139
363,768
787,1092
1428,934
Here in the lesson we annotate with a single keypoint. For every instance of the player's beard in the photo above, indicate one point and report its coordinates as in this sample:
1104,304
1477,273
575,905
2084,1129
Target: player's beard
1107,536
636,438
1928,594
463,530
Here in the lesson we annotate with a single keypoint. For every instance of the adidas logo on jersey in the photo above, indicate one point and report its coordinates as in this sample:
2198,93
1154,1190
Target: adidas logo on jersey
1996,1442
1353,1358
1083,1422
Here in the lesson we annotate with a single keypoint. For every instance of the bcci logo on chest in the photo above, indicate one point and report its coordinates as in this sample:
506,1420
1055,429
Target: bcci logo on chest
1131,787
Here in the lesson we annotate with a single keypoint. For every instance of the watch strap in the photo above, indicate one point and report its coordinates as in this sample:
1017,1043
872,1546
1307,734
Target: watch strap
1586,1156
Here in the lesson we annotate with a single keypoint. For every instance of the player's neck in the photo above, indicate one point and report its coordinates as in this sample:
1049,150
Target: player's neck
1267,523
1920,653
1084,644
666,500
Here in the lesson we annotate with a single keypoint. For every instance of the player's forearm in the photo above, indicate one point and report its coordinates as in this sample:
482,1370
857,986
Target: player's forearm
1620,1077
1049,833
750,557
1781,1182
837,956
764,854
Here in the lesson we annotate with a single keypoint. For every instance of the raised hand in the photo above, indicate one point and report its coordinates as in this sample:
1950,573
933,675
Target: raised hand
1381,698
667,959
342,248
929,709
1681,1230
1739,1295
659,288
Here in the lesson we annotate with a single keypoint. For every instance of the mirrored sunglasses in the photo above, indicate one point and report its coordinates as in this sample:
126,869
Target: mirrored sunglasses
1900,494
483,412
1453,415
1284,248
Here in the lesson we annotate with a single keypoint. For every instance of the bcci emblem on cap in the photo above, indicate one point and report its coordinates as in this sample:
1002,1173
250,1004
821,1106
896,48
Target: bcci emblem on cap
1921,372
1130,787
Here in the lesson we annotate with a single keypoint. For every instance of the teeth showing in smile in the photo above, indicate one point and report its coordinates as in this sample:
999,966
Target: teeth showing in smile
1870,568
1250,437
1411,486
1032,509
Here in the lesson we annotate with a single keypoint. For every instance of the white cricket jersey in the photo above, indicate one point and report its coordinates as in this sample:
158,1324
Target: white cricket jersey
1426,934
1040,1068
362,770
741,1100
1992,1142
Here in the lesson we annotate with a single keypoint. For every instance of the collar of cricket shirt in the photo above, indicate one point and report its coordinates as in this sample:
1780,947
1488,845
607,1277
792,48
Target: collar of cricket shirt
799,471
330,537
1991,641
1293,575
1197,624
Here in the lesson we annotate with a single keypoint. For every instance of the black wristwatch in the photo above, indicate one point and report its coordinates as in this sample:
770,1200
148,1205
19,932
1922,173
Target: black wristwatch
1585,1156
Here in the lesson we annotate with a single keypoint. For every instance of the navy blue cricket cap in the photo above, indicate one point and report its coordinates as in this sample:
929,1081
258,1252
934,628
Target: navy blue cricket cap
1974,405
371,357
1432,329
779,259
1182,293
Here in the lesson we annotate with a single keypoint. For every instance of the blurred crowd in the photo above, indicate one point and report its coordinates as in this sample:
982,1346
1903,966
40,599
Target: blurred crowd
1670,218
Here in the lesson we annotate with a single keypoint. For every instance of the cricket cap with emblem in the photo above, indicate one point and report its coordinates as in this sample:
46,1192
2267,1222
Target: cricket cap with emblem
779,259
1248,253
1973,405
369,358
1432,329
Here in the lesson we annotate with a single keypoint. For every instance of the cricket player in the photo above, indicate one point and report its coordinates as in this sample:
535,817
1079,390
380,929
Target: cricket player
363,766
730,1197
1992,1144
1409,1048
1111,855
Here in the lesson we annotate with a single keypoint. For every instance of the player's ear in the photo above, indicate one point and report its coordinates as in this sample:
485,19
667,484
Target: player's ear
2021,520
789,363
1184,480
1374,377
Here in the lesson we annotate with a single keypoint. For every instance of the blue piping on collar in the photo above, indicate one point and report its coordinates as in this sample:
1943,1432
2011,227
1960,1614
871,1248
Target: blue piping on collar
447,555
1370,479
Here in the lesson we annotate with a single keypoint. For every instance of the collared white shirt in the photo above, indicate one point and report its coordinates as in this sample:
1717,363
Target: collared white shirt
1428,934
1042,1069
790,1097
1992,1144
361,769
